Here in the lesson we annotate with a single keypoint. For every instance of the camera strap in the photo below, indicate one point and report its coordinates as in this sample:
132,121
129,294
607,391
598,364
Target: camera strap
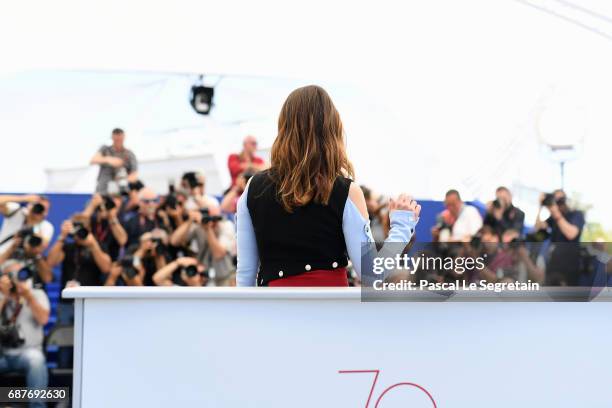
13,319
7,239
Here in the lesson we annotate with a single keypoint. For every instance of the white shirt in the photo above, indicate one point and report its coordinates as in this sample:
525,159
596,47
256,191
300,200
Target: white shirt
468,223
15,220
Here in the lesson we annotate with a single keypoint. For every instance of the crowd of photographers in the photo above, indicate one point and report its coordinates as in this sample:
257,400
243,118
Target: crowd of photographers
549,254
127,235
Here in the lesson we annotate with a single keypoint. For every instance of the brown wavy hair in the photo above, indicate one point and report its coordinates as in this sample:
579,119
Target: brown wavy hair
308,153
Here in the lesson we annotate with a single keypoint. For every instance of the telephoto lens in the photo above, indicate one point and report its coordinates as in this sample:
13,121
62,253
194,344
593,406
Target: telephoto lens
38,209
34,241
191,270
109,203
80,231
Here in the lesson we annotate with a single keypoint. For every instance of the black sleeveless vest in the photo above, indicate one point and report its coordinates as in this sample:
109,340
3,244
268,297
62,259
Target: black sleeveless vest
309,238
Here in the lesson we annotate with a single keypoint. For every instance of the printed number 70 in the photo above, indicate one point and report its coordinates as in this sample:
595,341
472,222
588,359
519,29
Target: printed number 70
377,372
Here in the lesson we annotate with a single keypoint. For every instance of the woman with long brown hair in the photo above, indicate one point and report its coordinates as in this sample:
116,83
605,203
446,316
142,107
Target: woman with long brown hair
298,220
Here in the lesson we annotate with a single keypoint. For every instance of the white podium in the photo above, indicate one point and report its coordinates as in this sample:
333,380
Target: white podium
273,348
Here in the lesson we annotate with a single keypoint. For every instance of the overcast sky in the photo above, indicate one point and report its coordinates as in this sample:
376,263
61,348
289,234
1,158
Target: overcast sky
433,94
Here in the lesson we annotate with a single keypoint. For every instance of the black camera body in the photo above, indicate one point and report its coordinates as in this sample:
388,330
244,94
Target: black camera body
206,217
79,231
25,273
38,209
548,200
127,263
191,270
160,248
27,235
9,336
108,202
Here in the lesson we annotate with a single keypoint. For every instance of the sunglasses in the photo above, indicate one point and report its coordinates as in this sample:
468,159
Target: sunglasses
149,201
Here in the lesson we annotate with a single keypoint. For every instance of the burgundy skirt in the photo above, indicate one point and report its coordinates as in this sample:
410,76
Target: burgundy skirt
319,277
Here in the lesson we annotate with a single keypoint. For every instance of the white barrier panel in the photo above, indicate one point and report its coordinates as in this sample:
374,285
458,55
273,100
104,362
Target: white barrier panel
266,347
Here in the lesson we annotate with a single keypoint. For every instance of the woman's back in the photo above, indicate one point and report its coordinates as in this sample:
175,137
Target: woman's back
310,237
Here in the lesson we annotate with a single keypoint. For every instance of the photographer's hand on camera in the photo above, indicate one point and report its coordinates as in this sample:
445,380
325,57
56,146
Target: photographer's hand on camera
5,199
163,277
562,227
179,236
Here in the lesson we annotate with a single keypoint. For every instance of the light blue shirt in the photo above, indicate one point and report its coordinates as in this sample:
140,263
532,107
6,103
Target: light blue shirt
356,230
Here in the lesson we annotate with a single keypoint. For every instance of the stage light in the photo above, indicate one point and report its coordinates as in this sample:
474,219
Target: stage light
202,99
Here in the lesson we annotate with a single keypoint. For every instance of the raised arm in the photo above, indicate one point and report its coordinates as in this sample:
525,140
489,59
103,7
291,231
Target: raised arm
403,213
5,199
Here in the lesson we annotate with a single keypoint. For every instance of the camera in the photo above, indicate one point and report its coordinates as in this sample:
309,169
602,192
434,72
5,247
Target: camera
127,263
548,200
191,270
38,209
160,248
9,336
496,204
79,231
108,203
206,217
25,273
27,235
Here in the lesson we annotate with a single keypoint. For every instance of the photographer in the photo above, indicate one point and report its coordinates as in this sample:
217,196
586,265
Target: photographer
520,267
31,216
246,160
230,200
137,268
25,310
564,223
145,220
193,184
211,238
105,225
27,249
190,273
84,263
378,215
171,210
118,165
125,272
502,215
460,221
563,227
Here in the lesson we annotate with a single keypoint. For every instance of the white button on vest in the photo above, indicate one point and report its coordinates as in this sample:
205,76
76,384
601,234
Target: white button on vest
335,265
280,273
308,267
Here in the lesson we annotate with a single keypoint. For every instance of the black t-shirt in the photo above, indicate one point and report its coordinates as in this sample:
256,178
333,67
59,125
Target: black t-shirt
574,217
135,226
80,265
103,234
512,218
